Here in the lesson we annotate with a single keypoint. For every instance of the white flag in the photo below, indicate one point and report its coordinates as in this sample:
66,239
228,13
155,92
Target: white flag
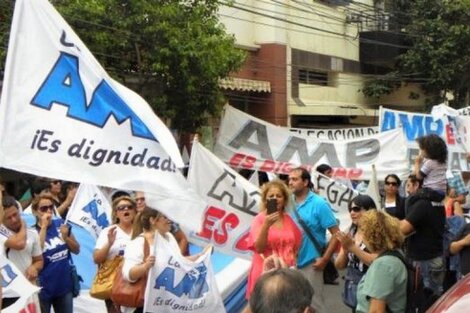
373,190
90,209
176,284
62,116
14,285
233,201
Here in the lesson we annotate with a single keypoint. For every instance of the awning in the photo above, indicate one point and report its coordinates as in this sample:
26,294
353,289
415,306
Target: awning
243,84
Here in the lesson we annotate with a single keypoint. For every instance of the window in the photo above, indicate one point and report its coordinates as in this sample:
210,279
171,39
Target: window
313,77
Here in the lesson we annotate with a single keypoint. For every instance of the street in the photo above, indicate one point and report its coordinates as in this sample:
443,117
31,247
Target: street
333,297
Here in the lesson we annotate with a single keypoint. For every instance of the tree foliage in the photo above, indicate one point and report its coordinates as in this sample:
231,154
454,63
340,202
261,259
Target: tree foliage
439,57
172,52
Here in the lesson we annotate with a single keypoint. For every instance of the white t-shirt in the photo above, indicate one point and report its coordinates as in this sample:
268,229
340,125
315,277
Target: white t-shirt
21,258
119,245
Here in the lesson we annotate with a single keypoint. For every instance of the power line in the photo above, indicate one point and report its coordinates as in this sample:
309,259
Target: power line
377,42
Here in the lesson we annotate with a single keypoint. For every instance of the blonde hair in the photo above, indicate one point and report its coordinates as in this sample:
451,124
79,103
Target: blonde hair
116,201
380,231
38,198
279,184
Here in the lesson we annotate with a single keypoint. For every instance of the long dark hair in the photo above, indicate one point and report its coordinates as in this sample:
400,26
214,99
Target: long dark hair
142,221
362,201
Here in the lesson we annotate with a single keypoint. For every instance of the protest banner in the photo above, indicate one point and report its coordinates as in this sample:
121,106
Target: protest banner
247,142
464,111
233,201
14,285
336,133
337,195
415,125
90,209
176,284
62,116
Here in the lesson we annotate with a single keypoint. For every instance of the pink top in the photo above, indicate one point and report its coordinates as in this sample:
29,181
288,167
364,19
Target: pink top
285,242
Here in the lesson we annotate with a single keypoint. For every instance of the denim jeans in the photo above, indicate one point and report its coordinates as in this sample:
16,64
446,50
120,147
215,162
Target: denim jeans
62,304
433,272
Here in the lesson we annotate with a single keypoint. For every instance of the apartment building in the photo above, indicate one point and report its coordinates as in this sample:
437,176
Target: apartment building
308,61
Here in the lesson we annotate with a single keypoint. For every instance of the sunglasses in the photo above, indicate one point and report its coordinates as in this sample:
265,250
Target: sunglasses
391,183
355,209
124,207
46,208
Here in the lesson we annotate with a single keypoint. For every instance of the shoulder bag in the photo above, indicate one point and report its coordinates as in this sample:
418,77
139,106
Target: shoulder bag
125,293
103,282
330,274
76,278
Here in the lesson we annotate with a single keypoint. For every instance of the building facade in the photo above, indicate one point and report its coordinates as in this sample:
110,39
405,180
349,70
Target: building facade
312,59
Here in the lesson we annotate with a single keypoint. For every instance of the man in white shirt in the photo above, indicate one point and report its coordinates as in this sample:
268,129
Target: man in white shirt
20,243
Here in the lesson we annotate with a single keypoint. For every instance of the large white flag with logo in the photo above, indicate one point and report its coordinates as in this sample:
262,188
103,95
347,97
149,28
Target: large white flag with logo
233,201
62,116
14,285
90,209
248,142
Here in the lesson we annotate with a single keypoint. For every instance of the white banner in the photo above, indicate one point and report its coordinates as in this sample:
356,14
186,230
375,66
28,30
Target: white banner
62,116
90,209
176,284
416,125
14,285
336,133
233,201
338,196
247,142
464,111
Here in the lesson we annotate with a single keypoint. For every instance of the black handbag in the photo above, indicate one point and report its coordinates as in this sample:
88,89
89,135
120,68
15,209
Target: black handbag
76,279
330,273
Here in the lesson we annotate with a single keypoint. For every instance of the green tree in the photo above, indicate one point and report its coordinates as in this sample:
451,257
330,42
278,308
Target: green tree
172,52
439,57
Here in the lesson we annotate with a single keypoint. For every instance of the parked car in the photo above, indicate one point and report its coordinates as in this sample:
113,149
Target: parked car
455,300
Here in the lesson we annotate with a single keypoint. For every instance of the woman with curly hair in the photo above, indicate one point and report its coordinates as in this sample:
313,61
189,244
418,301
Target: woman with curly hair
431,165
383,287
272,231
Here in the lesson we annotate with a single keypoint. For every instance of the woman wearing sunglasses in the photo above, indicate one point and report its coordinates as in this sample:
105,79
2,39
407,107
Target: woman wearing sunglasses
393,203
354,255
57,242
113,240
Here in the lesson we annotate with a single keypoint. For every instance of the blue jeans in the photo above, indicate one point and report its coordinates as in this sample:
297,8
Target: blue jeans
62,304
433,272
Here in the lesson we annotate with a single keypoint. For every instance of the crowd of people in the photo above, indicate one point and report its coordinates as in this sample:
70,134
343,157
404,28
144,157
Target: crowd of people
43,251
288,237
425,225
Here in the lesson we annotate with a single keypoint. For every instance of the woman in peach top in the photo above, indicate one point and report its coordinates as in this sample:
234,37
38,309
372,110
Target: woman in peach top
274,233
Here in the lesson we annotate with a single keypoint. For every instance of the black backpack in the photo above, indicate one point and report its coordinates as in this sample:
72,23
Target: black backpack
418,298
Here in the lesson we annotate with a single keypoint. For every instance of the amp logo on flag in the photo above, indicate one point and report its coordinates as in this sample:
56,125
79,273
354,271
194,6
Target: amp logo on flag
193,284
92,208
8,275
64,86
